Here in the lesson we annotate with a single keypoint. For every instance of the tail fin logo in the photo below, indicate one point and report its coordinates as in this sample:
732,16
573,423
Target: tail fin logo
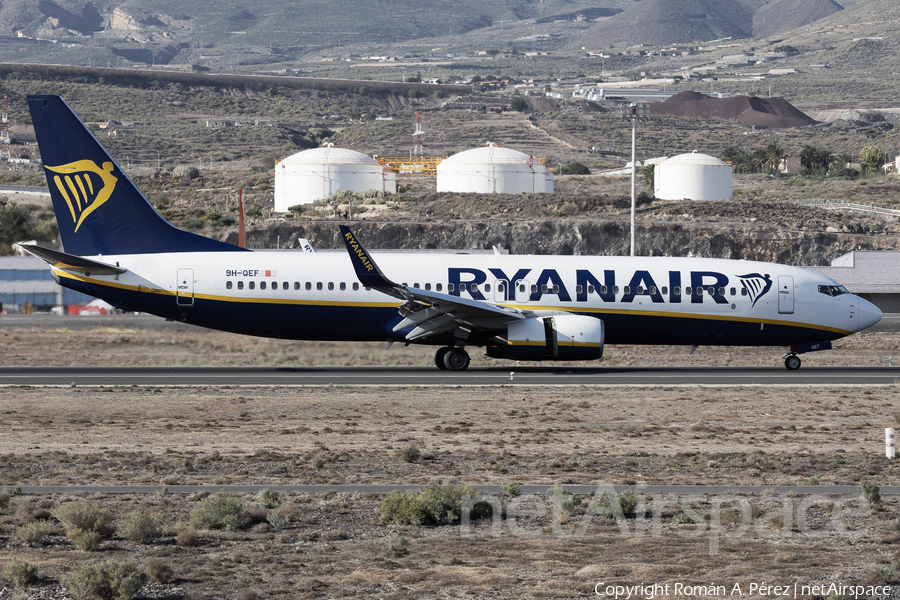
757,285
84,186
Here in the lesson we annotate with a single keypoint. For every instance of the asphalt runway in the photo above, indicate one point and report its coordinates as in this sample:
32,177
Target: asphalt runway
430,376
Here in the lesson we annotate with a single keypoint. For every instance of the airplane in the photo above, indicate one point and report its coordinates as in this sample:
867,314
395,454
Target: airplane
117,247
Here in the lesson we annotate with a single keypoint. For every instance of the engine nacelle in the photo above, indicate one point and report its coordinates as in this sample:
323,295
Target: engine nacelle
562,337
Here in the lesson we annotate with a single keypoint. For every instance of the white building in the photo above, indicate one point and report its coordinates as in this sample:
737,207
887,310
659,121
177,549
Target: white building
318,173
692,176
493,169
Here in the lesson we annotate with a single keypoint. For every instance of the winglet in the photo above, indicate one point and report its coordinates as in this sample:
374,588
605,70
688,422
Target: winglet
367,271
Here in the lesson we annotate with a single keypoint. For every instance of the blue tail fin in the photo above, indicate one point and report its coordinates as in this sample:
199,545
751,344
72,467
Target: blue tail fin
98,208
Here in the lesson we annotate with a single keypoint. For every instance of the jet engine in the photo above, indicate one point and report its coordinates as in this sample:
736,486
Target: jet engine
561,337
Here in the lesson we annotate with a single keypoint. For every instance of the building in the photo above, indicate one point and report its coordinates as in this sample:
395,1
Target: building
26,279
872,275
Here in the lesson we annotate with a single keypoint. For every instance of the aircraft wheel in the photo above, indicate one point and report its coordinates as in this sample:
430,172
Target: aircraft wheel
456,359
439,358
792,362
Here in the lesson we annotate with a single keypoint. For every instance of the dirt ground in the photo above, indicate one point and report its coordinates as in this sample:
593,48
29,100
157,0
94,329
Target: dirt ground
333,544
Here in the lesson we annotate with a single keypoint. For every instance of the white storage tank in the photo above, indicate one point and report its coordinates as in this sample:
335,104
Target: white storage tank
692,176
493,169
318,173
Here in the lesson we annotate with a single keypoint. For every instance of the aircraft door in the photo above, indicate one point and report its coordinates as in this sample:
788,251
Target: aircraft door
500,287
785,294
523,290
184,287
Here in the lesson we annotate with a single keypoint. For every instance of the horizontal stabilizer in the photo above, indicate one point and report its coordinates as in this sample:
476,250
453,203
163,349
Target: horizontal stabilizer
70,262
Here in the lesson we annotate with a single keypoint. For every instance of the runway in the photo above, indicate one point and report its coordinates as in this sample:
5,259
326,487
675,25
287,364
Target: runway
429,376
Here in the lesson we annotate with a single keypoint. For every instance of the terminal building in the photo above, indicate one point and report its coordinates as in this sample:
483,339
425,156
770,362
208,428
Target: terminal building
26,281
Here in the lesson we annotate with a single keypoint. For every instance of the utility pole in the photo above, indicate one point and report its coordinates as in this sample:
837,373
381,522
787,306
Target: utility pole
634,111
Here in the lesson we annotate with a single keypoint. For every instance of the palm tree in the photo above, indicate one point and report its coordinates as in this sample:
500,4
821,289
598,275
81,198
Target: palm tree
759,159
776,155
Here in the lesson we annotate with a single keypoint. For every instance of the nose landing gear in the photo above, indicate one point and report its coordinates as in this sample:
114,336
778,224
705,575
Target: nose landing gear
792,362
451,359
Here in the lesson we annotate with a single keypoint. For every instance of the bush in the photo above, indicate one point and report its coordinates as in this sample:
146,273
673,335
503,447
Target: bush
398,545
277,519
104,581
626,501
563,498
186,537
5,495
159,571
297,209
20,573
575,168
871,492
33,533
519,105
192,223
220,512
139,526
81,515
511,489
437,505
410,454
85,540
268,499
186,172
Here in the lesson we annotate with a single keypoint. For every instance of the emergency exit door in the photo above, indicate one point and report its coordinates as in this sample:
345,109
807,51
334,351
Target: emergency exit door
184,287
785,294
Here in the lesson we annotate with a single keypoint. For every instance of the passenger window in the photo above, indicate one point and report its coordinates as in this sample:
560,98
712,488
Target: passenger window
262,285
274,285
284,285
416,285
296,285
543,289
227,285
603,289
652,290
319,286
474,287
521,287
664,290
743,291
639,291
309,285
534,288
462,287
615,289
591,289
427,287
676,290
251,285
721,291
439,287
343,286
733,291
711,290
450,287
627,289
555,289
501,287
487,287
579,289
355,286
240,285
330,285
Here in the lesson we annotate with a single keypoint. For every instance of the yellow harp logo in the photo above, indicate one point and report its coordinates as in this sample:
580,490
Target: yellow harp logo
85,186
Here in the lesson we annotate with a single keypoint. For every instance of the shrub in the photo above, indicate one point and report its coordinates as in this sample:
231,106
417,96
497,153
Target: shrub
5,495
626,501
186,172
575,168
192,223
139,526
268,499
220,512
82,515
297,209
563,498
20,573
104,581
33,533
681,519
186,537
276,519
85,540
398,545
159,571
511,489
410,454
437,505
519,105
870,491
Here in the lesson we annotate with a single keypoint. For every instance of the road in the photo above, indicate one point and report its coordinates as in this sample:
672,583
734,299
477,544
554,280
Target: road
429,376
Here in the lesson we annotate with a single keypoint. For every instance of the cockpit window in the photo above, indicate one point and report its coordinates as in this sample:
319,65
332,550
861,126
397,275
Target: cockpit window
833,290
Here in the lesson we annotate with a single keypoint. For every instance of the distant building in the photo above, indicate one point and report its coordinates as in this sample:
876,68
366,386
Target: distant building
27,279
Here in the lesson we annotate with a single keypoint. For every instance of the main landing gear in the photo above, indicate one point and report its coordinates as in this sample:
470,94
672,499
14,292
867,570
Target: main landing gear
451,359
792,362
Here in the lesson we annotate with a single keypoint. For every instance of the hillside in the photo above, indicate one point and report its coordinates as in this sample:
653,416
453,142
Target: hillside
772,113
784,15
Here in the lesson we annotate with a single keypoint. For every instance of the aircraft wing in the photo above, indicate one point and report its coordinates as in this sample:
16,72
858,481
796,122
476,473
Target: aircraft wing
70,262
430,312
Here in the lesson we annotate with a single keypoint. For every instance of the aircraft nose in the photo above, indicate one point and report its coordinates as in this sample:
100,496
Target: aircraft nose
869,314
